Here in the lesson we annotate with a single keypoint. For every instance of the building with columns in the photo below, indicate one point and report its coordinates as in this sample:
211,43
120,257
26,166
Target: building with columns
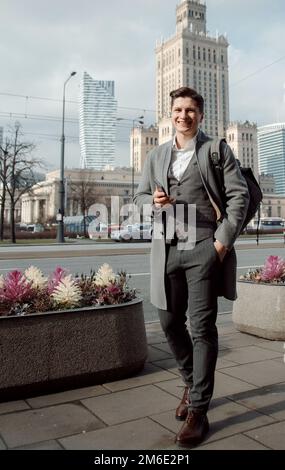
8,211
273,205
42,202
193,58
242,138
142,140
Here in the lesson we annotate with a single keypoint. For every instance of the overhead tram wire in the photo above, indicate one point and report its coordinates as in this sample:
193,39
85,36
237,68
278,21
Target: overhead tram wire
57,136
17,95
258,71
39,117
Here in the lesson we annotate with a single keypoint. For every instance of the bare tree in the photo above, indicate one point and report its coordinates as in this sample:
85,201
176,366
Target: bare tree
17,172
84,191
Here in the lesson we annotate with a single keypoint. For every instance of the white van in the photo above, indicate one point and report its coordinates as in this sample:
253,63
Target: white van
132,232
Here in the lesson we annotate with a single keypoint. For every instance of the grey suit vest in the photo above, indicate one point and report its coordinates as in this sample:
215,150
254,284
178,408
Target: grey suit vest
190,190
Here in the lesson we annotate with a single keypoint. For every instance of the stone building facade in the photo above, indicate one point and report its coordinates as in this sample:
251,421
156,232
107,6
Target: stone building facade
42,203
193,58
143,139
242,138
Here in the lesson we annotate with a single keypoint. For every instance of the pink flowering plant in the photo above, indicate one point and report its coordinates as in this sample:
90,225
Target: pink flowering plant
30,291
273,272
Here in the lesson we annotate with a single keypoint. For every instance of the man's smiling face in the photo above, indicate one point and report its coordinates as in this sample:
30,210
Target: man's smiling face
186,116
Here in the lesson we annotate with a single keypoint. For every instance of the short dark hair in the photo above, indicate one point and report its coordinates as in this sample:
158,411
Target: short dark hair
184,92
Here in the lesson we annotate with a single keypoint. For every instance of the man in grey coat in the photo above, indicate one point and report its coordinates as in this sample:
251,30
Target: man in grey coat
187,277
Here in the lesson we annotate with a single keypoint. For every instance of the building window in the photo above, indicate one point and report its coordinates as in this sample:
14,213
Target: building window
146,140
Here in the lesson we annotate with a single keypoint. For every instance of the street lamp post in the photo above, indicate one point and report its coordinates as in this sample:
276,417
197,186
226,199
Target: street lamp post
61,191
138,120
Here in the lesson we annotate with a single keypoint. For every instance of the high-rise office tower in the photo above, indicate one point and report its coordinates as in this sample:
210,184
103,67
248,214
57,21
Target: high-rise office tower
242,138
97,123
192,58
271,153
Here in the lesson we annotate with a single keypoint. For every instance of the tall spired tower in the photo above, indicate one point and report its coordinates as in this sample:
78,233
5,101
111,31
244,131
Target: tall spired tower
193,58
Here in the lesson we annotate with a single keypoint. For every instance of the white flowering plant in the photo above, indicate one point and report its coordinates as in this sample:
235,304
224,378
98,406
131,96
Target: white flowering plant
30,291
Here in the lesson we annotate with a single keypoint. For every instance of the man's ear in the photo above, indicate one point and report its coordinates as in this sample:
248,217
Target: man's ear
201,117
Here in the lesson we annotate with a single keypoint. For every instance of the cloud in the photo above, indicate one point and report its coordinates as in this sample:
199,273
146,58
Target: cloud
41,42
256,87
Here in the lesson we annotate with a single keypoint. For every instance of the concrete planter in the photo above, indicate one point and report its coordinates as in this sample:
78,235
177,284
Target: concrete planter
46,352
260,310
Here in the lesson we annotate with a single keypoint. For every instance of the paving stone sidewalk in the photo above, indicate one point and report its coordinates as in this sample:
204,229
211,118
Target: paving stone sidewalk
247,411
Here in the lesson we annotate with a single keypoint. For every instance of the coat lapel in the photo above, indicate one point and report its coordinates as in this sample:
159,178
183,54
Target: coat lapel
166,159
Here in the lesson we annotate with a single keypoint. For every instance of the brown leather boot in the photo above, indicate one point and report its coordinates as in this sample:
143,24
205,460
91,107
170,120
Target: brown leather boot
194,429
182,410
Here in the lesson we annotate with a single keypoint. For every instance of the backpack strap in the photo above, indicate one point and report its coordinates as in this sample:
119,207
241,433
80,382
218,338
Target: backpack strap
216,157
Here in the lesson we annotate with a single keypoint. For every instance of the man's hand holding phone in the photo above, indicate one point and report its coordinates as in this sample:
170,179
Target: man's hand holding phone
160,197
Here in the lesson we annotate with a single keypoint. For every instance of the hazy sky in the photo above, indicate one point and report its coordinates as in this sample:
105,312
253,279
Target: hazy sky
42,41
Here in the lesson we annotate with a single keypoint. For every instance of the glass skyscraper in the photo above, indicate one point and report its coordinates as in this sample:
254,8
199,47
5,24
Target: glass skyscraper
271,153
97,122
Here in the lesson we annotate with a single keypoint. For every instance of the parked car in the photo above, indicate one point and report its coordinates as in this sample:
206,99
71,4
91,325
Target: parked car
35,228
132,232
21,226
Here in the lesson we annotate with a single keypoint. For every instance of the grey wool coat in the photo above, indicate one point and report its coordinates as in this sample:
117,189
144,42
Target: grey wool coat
230,214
